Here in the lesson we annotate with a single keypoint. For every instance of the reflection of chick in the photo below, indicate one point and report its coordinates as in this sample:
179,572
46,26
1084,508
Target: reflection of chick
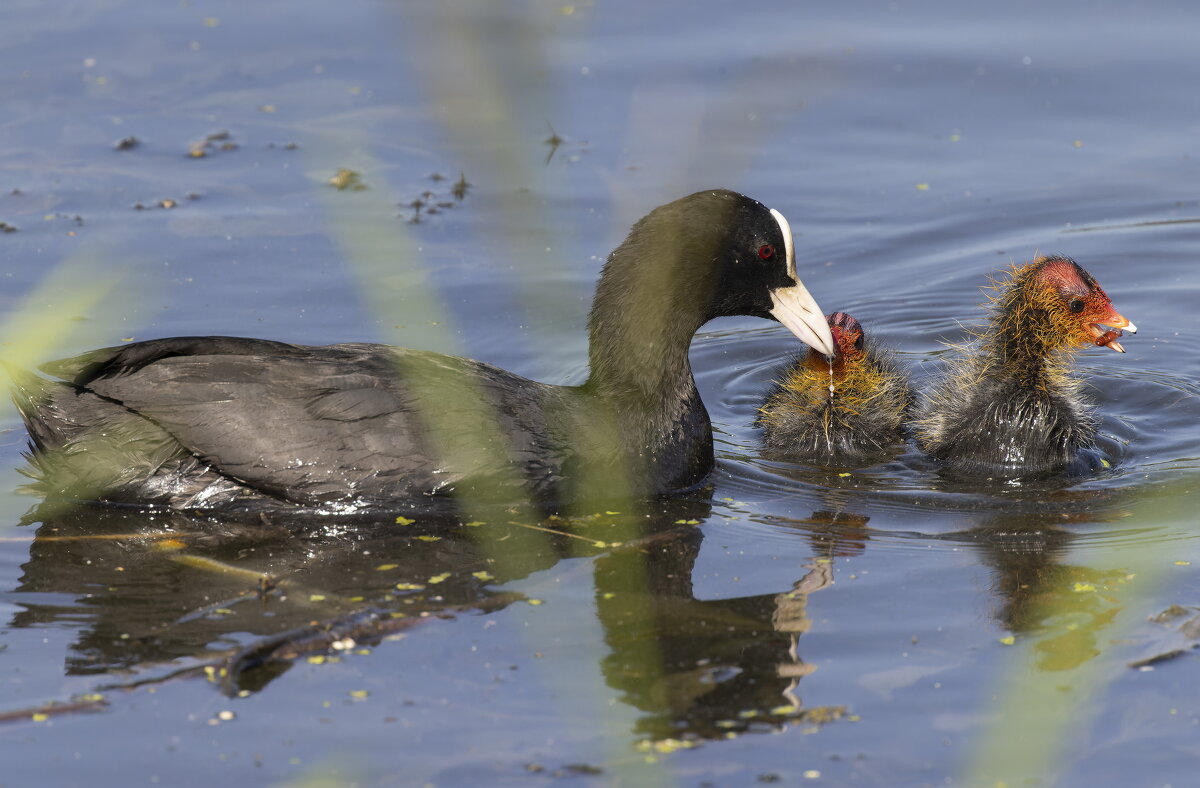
843,412
1009,407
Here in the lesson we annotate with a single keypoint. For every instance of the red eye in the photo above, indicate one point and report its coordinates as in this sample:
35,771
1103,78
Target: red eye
766,252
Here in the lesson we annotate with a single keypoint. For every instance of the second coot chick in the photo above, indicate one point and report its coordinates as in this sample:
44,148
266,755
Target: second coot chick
842,412
1010,408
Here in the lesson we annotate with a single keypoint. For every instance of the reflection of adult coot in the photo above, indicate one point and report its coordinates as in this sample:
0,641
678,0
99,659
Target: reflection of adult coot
142,590
210,422
702,668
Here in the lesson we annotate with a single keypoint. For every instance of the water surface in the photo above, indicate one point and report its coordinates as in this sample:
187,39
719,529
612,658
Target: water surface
789,623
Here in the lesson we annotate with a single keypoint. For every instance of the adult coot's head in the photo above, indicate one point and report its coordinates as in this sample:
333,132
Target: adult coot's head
710,254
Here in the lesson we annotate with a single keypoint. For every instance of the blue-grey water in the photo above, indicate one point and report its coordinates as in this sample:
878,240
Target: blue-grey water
800,626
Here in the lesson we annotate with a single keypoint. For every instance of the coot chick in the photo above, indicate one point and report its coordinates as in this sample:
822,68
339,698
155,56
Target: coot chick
843,412
1009,406
223,422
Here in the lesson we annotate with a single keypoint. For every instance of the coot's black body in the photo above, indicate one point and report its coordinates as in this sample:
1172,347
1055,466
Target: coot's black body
219,422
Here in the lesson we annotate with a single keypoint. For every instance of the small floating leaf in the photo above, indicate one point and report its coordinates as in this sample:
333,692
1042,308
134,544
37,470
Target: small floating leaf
482,575
402,520
430,538
1008,640
347,179
1080,588
439,578
385,567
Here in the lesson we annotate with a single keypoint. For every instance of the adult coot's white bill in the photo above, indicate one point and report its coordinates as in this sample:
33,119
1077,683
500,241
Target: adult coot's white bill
218,422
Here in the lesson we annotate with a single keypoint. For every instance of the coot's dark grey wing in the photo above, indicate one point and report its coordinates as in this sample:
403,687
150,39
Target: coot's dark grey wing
316,424
124,359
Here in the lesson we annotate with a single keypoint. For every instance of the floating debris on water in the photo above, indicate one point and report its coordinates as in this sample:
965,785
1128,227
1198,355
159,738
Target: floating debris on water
1174,611
345,179
554,142
217,141
461,186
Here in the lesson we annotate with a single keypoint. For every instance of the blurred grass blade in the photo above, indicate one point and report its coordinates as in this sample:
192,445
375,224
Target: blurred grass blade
1055,680
80,299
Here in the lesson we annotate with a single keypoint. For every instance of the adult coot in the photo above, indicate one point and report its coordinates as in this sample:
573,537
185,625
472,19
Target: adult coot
841,412
220,422
1009,407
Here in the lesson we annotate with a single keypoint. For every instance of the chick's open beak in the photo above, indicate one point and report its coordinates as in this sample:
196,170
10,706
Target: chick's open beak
1108,338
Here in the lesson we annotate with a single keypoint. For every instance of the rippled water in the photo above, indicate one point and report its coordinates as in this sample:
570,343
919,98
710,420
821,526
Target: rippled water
874,619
